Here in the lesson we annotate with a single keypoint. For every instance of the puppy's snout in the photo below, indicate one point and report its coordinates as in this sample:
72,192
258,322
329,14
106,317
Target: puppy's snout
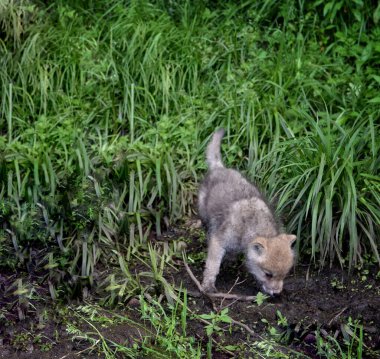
273,288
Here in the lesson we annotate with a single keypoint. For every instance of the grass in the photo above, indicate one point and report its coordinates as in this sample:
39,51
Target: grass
99,99
106,109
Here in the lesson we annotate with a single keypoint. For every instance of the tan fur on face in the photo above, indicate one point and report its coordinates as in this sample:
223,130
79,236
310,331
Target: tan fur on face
273,256
276,253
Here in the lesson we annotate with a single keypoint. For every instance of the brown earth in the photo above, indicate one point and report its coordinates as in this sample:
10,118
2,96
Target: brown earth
312,300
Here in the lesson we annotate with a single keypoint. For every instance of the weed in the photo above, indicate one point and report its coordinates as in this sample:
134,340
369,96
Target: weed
159,338
337,284
214,327
352,347
260,298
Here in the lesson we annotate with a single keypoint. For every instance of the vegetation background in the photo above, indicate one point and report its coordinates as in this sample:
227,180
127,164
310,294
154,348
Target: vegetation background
107,105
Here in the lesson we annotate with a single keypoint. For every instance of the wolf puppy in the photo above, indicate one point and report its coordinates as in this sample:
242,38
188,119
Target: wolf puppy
239,219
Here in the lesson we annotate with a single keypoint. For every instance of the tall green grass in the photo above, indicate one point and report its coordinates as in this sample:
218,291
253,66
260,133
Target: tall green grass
106,108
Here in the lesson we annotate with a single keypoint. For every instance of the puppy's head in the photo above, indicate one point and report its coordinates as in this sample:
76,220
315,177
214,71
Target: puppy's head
270,260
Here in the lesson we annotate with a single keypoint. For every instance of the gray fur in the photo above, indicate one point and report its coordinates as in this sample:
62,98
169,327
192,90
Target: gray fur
239,218
213,154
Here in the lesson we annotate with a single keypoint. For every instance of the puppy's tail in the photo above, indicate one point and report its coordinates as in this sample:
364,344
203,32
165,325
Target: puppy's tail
213,154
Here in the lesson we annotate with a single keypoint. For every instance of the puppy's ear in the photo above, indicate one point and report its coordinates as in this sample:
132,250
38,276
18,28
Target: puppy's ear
259,245
292,240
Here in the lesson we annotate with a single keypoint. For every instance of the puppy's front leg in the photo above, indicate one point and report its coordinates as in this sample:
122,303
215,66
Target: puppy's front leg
215,255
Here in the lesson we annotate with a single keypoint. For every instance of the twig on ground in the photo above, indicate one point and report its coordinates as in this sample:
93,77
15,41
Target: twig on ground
228,305
234,301
221,295
195,280
337,315
192,276
218,294
244,326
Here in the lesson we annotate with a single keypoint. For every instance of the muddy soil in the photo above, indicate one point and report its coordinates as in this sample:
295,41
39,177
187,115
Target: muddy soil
311,300
326,301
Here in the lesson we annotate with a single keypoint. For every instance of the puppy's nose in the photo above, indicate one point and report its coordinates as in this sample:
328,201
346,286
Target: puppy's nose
276,294
272,291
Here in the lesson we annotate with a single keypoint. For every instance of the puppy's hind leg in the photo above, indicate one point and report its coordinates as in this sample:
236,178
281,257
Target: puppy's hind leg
215,255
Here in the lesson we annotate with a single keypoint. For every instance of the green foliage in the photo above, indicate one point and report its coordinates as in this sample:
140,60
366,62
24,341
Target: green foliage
214,325
106,109
260,298
216,318
329,347
333,183
159,335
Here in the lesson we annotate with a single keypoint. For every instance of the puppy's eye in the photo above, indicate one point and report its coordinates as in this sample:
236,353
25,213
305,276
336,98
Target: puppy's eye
268,274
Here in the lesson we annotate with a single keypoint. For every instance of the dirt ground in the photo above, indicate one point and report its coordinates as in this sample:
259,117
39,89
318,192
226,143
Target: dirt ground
312,300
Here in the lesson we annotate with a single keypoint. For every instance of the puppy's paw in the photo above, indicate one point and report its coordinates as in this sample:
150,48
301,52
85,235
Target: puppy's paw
208,287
